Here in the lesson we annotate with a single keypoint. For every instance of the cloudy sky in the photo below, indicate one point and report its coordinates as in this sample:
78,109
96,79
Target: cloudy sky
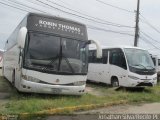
111,22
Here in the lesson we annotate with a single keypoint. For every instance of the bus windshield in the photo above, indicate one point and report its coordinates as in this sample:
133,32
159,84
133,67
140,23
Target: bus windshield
48,53
139,59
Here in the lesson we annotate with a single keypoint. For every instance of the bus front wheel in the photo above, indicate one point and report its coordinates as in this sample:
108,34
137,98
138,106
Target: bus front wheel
114,82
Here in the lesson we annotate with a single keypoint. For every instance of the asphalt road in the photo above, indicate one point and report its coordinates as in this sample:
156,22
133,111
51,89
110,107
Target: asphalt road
153,109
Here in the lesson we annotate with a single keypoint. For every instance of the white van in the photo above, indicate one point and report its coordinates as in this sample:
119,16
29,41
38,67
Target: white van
122,66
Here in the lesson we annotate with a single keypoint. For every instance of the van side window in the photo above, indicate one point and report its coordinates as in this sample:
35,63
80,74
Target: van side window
154,61
105,56
117,58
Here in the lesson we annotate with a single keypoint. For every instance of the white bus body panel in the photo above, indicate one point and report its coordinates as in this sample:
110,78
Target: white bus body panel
59,82
103,73
1,58
11,59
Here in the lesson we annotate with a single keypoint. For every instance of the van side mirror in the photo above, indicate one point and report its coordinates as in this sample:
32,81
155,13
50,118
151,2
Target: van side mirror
99,49
21,37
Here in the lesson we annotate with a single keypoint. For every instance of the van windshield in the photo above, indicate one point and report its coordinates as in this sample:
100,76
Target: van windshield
139,61
48,53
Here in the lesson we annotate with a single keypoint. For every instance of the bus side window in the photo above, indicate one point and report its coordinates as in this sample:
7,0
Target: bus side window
154,61
92,56
158,62
105,56
94,59
117,58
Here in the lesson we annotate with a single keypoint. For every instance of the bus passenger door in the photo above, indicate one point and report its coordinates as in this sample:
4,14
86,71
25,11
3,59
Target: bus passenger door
105,71
118,66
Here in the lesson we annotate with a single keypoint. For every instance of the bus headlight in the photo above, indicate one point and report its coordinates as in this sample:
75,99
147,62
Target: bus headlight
24,77
79,83
32,79
133,77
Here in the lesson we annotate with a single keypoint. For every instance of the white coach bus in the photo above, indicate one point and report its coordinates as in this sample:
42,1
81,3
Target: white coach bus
122,66
47,54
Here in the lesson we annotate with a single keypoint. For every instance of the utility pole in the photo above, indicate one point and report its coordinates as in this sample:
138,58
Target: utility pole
137,25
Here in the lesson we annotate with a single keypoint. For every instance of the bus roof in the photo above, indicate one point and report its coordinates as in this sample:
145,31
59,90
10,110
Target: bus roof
120,46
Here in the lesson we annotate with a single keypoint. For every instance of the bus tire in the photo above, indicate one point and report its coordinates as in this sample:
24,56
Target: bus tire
114,82
13,78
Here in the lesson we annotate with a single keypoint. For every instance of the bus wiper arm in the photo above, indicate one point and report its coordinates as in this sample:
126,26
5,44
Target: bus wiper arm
69,64
150,67
140,65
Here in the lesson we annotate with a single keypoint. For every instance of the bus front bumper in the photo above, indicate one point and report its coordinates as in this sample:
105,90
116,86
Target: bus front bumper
33,87
141,83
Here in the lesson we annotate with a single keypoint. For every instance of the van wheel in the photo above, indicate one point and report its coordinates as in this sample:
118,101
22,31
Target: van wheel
114,82
13,78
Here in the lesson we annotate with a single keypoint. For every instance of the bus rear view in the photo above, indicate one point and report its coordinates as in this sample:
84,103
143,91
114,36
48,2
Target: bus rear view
47,54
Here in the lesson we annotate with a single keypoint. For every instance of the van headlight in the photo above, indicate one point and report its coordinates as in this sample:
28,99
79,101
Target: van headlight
133,77
79,83
155,78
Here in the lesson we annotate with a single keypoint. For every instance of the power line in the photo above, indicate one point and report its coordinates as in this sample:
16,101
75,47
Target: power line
115,6
105,30
149,24
13,7
149,37
73,14
151,49
150,43
26,6
109,23
89,26
81,13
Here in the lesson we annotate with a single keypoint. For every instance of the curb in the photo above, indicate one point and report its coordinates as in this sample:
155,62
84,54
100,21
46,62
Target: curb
71,109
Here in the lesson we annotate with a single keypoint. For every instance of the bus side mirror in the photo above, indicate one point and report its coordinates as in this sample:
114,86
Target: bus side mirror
99,49
21,37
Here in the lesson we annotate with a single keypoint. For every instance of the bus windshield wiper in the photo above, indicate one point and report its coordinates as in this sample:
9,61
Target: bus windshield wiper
66,59
140,65
151,67
69,64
